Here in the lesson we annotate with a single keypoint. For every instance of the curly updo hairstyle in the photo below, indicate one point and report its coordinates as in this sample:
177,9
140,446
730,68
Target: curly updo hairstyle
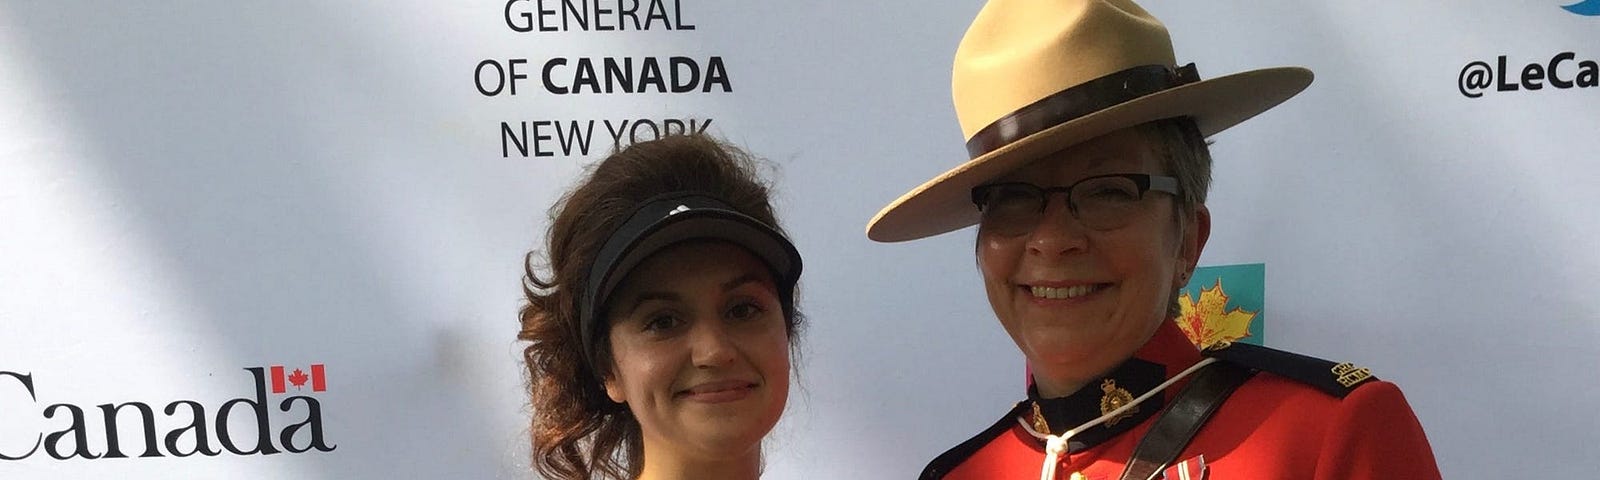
577,431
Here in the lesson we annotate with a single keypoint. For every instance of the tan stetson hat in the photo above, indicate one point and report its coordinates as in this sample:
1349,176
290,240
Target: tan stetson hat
1033,77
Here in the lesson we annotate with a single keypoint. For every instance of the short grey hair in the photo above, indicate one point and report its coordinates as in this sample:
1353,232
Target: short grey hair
1186,155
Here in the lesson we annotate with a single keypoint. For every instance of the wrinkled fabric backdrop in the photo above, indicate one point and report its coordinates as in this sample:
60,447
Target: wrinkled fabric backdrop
194,194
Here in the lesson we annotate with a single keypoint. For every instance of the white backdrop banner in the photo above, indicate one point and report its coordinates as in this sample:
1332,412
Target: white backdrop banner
284,240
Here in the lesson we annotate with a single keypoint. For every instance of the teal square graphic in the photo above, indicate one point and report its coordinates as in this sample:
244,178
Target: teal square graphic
1245,287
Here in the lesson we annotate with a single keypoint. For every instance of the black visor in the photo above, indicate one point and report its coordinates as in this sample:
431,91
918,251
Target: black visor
665,220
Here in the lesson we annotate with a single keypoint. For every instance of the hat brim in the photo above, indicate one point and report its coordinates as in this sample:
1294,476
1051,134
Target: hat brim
944,204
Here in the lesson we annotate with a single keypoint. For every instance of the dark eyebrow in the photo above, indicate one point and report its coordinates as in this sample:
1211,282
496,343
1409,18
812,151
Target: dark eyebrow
736,282
739,281
648,296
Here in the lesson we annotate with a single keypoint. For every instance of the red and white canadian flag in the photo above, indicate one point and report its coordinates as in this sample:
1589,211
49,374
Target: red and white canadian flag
319,380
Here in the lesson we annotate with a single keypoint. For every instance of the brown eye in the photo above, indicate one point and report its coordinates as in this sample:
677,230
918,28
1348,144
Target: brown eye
745,311
661,322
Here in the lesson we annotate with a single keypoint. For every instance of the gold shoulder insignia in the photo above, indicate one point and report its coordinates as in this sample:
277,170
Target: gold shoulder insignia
1333,378
1349,375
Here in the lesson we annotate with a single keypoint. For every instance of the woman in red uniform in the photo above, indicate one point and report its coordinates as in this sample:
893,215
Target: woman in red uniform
1087,179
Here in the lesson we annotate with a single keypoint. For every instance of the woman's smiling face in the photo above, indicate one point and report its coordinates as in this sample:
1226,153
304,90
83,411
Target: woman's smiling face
700,350
1078,301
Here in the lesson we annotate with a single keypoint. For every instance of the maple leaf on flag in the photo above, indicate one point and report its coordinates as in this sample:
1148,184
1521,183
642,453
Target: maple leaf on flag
298,378
1206,323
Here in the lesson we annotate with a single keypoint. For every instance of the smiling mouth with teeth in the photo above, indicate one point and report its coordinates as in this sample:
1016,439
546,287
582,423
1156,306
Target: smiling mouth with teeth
1061,293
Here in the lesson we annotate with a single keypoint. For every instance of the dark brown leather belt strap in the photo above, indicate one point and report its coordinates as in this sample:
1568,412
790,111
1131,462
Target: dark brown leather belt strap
1181,421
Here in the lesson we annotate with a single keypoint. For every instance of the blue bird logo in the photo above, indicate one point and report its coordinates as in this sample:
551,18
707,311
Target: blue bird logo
1590,8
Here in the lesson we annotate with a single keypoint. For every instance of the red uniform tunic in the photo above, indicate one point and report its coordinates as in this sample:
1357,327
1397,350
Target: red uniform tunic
1293,420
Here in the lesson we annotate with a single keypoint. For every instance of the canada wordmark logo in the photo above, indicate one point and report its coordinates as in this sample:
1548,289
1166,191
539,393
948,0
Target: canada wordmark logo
289,419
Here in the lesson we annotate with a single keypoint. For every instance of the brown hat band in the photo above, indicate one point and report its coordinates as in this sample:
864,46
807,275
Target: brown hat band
1077,101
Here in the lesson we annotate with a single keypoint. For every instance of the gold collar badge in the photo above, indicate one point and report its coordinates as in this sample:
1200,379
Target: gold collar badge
1039,425
1115,397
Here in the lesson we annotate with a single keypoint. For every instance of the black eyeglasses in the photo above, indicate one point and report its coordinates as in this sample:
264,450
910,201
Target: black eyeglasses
1103,202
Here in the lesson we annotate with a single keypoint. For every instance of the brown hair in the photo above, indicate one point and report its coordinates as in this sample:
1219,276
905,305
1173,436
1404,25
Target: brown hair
577,431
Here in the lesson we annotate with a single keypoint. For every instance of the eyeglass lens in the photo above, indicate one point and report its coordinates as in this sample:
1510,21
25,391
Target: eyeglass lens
1099,203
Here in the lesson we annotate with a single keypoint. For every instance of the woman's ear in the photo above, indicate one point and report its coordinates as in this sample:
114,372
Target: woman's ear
614,389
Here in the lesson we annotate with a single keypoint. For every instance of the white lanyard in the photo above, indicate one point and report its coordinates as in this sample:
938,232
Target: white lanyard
1056,445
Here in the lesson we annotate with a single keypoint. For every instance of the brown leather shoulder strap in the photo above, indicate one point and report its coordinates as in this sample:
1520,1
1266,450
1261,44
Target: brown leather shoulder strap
1181,421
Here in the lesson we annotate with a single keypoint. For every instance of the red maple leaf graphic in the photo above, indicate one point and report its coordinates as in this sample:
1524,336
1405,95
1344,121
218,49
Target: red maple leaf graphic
298,378
1197,324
